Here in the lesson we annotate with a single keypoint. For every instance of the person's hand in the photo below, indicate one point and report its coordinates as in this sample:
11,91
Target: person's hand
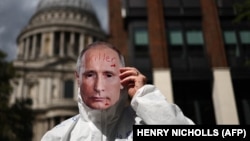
131,79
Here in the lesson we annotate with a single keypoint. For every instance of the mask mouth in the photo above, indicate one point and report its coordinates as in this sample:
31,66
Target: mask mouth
99,99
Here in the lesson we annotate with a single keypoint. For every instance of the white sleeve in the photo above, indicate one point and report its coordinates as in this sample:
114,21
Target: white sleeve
152,108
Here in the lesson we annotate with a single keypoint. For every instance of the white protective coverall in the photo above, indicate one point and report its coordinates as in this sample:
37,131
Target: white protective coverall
148,106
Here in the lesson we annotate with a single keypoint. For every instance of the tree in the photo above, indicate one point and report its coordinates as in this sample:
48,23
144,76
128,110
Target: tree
15,120
243,11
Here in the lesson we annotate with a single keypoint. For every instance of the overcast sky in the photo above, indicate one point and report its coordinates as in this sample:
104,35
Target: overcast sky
15,14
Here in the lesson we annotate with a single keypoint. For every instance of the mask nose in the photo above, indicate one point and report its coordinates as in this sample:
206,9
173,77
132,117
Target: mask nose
99,84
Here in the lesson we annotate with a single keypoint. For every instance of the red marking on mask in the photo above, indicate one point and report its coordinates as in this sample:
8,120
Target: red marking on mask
113,65
103,57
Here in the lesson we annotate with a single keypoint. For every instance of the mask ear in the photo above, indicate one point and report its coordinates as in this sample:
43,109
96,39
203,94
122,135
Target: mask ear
77,78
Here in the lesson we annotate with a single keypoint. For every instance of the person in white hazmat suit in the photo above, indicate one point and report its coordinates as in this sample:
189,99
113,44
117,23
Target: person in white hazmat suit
111,99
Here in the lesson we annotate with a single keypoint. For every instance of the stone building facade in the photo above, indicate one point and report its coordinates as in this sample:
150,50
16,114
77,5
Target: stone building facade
48,48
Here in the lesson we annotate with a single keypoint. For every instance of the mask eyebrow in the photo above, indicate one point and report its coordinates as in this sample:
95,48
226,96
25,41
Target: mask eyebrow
109,72
88,71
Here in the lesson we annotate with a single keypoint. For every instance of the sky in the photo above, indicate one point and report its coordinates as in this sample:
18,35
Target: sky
15,14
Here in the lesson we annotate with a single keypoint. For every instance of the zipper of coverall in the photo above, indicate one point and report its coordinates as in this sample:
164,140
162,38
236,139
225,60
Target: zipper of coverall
104,125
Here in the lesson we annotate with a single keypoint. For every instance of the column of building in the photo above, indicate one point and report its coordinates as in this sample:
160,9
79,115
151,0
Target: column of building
71,46
223,96
158,48
26,48
34,48
116,28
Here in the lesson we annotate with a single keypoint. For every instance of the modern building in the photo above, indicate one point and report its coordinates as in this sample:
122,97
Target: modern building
48,48
192,51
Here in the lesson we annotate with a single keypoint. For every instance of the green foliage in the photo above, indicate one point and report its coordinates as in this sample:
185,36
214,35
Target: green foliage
15,120
243,11
20,119
6,73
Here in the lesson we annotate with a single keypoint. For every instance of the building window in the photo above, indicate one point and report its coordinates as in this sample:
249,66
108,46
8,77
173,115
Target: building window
139,48
246,110
185,39
30,47
232,48
76,44
230,37
68,89
182,7
176,43
38,45
186,49
176,38
194,37
195,43
245,37
187,94
136,3
56,43
141,37
190,70
241,92
141,41
225,7
66,48
245,43
237,46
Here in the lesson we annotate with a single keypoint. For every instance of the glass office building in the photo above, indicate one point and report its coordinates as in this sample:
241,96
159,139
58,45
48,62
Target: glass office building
192,50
